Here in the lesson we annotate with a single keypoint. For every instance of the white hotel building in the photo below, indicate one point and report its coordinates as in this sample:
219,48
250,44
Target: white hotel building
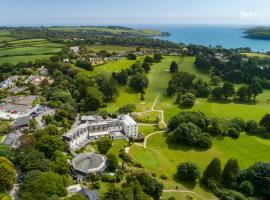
93,128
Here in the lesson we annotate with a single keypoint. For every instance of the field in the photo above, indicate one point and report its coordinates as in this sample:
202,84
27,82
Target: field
99,29
259,55
108,68
14,51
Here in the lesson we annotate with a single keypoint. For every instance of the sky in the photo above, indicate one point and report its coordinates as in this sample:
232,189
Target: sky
118,12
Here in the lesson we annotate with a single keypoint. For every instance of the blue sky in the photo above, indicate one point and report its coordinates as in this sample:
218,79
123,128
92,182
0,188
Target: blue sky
99,12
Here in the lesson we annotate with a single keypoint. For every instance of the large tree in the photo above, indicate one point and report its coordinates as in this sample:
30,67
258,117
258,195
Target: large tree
43,186
255,90
228,90
7,174
213,171
174,67
188,171
230,174
139,82
104,144
93,99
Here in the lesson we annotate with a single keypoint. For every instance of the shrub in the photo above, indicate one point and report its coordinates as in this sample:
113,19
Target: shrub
204,140
163,176
247,188
188,100
129,108
252,127
240,123
233,133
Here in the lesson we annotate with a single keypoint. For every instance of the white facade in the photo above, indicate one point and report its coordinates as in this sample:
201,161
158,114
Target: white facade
93,130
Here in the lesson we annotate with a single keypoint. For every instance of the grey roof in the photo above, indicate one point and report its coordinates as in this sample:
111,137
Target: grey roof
91,195
89,162
22,121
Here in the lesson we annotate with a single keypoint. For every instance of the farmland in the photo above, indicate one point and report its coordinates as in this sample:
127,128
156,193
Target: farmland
14,51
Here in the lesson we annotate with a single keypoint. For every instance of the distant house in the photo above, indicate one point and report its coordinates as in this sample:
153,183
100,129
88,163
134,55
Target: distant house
7,84
75,50
65,60
43,71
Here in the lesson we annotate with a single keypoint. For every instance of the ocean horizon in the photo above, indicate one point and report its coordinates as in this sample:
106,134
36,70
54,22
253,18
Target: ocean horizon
227,36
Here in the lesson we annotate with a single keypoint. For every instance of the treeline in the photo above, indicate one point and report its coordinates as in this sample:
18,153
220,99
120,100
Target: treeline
195,129
187,87
88,37
230,182
235,68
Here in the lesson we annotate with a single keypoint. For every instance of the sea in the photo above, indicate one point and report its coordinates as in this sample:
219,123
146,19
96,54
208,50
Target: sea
211,35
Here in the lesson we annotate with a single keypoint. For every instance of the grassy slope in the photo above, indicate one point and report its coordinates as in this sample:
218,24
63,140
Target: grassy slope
16,59
27,50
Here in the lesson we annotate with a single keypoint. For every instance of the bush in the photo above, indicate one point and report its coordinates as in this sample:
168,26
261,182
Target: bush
252,127
163,176
247,188
233,133
188,171
204,140
240,123
107,178
129,108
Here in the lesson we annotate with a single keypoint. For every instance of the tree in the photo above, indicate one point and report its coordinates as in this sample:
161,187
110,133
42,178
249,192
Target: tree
108,87
157,57
43,185
186,133
128,108
188,171
93,99
258,175
146,66
228,90
139,82
188,100
265,121
7,174
85,64
174,67
230,174
215,80
203,64
242,93
33,159
112,162
48,144
255,90
247,188
233,133
217,93
252,127
77,196
60,163
104,144
213,171
132,56
121,77
204,140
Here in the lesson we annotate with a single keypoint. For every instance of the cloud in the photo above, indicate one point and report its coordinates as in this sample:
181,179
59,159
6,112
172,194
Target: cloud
246,15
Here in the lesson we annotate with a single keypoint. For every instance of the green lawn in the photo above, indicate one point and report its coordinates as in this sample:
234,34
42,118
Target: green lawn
163,158
28,50
16,59
111,48
147,129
